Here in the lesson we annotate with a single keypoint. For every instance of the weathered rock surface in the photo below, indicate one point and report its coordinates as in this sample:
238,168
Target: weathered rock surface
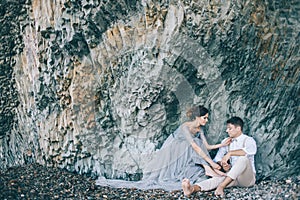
96,86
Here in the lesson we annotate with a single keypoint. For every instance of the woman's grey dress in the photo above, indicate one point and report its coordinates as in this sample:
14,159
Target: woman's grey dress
175,161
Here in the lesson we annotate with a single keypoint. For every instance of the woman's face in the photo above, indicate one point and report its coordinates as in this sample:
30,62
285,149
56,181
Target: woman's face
202,120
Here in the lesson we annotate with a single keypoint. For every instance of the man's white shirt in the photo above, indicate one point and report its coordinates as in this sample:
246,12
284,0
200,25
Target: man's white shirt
243,142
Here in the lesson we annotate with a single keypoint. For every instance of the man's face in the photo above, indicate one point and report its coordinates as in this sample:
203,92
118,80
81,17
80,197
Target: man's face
233,131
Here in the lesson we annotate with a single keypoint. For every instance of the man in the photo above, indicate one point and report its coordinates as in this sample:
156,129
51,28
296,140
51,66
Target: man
237,160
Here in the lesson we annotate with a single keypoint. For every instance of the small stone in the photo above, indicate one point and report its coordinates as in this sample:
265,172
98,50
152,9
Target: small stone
288,181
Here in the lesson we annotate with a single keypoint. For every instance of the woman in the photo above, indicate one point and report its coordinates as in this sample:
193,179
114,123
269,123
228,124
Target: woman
183,155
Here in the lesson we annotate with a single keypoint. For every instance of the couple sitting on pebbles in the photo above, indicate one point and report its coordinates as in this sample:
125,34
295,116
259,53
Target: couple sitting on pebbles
183,161
235,161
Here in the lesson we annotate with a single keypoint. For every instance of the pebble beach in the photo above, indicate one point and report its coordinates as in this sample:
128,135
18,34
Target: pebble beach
34,181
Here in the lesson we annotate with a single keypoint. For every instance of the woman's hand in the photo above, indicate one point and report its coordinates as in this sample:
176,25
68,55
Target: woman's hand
215,165
220,173
227,142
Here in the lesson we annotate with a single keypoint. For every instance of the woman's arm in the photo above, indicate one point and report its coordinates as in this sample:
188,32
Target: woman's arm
204,156
196,148
215,146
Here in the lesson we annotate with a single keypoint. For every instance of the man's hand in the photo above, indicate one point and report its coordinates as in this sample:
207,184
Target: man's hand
226,167
224,162
225,159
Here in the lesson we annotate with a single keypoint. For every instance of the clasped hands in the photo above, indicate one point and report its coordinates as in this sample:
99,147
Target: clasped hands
224,162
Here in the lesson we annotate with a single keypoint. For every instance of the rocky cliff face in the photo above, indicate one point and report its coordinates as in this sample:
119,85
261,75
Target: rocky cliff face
96,86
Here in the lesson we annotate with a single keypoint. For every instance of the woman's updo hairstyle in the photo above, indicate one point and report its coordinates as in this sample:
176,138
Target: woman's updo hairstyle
196,111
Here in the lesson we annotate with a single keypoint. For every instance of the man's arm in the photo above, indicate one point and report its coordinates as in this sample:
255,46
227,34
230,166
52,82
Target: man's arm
221,152
239,152
250,146
249,149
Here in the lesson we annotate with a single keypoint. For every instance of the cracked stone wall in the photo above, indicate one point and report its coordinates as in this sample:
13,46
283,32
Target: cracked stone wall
96,87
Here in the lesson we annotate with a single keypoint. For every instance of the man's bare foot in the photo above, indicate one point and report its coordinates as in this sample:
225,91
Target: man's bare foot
188,189
220,192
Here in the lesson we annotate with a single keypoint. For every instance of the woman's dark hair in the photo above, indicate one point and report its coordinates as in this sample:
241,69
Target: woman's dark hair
196,111
236,121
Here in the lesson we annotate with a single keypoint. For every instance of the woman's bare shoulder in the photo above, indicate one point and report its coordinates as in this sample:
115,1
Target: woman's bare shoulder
185,124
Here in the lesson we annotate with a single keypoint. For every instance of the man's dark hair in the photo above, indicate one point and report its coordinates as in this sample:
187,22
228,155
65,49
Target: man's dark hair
236,121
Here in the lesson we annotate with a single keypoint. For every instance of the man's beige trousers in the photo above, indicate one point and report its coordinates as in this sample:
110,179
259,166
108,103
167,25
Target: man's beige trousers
241,173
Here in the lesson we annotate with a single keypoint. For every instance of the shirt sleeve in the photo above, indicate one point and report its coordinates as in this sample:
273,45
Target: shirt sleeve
250,146
221,152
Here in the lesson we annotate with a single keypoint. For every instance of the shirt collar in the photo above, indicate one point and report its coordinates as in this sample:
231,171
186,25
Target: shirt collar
238,138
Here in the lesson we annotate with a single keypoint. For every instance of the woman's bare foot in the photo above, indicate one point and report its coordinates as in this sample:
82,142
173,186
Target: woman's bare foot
188,189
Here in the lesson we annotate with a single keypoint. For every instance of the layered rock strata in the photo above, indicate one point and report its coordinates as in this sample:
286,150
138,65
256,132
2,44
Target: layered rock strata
96,87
